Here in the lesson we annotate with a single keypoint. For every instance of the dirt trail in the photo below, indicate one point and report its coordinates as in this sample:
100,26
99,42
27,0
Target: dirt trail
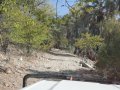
17,65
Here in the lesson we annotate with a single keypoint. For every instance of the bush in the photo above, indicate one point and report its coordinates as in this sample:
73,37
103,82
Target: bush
109,54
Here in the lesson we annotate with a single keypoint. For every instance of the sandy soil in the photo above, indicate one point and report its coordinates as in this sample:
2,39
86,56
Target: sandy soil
16,65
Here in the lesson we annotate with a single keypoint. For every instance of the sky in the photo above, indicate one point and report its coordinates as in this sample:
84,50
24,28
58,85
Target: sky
62,10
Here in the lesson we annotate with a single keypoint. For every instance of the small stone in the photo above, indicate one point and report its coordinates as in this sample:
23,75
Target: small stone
6,84
19,71
57,70
48,67
21,59
13,84
8,71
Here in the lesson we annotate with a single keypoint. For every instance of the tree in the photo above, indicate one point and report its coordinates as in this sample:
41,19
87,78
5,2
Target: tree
87,16
25,27
87,42
109,54
4,38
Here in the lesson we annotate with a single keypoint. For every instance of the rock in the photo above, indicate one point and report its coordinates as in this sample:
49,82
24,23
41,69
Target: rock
8,71
3,57
19,71
2,69
48,67
21,59
57,70
6,85
13,84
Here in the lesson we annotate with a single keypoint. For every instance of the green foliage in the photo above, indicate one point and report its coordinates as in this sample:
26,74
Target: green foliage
64,42
26,28
109,53
88,41
59,38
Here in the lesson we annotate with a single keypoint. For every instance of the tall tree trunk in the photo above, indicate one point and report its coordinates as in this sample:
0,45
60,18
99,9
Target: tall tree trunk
56,9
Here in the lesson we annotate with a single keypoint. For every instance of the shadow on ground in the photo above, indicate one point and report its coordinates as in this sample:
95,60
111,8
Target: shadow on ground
62,54
78,75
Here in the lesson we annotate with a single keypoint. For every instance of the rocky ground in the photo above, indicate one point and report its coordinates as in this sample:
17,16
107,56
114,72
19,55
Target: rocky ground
15,65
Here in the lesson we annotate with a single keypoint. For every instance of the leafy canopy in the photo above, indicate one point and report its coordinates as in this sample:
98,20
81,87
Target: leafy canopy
27,28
